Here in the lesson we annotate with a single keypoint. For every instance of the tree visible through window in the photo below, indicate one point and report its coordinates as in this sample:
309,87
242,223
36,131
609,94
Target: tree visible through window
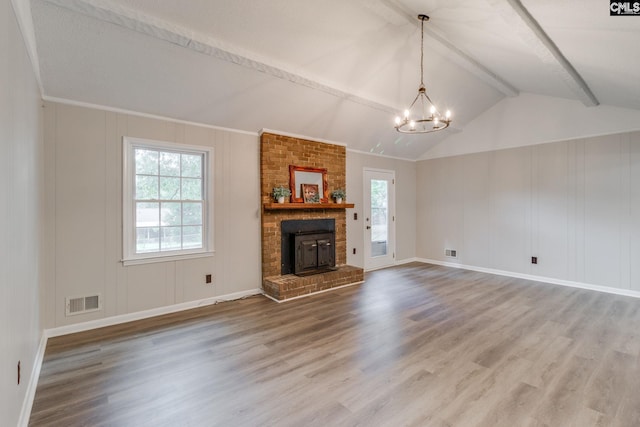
169,199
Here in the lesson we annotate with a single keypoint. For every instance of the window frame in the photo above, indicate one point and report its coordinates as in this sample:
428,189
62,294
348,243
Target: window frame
129,255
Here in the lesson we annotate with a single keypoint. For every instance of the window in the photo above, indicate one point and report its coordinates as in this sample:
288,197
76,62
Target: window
167,201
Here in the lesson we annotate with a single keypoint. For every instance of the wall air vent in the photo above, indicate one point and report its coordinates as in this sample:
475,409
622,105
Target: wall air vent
81,305
451,253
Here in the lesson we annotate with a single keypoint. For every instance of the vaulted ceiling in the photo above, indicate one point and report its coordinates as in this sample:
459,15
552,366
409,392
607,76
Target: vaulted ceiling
337,70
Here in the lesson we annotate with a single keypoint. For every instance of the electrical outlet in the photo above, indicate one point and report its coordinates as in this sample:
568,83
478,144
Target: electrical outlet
534,260
355,216
208,278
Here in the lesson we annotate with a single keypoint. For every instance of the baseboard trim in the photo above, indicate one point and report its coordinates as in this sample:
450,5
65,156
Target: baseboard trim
544,279
139,315
407,261
313,293
379,268
395,263
27,404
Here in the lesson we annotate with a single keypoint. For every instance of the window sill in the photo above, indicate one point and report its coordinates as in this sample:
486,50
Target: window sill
167,258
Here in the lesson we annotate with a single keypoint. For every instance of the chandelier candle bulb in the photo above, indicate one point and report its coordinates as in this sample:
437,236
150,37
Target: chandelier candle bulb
416,119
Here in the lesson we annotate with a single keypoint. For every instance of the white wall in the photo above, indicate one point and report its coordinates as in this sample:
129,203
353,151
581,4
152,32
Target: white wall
20,215
573,204
83,149
405,172
535,119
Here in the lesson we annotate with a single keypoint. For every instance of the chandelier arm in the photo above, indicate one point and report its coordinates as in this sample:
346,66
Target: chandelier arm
430,101
414,102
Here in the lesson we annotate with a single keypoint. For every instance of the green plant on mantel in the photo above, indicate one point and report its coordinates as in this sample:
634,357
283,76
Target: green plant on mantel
339,194
280,191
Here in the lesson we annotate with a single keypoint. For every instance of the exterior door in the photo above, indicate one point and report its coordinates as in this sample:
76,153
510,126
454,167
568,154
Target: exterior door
379,221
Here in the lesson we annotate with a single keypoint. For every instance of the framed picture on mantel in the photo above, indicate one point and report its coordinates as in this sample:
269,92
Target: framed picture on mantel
310,193
301,178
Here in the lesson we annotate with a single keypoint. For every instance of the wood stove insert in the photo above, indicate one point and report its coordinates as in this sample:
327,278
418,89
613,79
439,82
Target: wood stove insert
308,246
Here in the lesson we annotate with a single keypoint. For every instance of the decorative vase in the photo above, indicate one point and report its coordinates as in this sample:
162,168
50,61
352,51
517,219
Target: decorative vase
281,199
338,199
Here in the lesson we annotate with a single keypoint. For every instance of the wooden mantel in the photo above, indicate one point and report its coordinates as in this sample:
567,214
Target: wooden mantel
315,206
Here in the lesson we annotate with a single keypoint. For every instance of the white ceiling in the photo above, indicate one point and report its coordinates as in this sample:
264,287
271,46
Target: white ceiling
336,70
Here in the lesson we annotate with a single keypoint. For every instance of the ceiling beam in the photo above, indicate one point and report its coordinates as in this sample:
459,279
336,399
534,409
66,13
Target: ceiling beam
519,18
113,13
22,9
392,9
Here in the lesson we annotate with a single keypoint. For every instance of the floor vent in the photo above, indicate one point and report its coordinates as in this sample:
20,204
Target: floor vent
452,253
81,305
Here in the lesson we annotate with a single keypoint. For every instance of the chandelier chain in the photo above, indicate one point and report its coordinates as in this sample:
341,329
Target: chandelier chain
422,53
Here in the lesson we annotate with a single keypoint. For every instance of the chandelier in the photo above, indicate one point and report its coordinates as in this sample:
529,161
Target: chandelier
422,116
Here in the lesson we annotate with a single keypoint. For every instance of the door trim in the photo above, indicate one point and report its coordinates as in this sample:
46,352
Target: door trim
392,224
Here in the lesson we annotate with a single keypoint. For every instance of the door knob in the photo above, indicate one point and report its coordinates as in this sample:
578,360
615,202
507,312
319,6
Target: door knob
368,227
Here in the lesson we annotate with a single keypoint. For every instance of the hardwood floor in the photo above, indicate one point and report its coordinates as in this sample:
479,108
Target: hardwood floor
415,345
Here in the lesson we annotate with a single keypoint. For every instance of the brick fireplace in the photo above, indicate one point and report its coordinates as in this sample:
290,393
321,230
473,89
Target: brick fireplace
277,153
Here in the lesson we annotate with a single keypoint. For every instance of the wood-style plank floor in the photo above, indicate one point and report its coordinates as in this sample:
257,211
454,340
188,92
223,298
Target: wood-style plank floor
415,345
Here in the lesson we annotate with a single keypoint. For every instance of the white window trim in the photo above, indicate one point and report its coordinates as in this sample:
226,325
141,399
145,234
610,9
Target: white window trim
129,256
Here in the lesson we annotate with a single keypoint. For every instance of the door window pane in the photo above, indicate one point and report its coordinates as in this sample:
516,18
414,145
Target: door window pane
379,217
